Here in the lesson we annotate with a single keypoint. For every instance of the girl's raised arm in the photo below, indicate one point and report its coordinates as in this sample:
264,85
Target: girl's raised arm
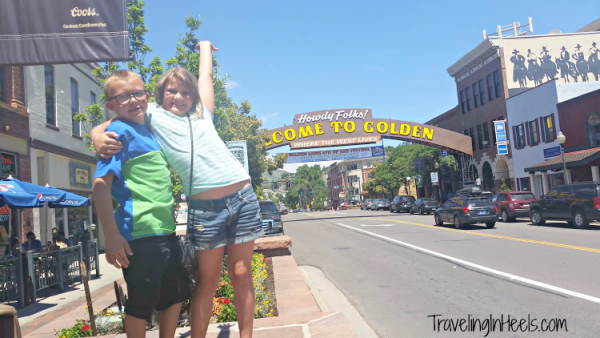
205,70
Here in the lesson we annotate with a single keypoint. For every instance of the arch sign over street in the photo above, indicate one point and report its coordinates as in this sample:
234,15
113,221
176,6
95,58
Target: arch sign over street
341,127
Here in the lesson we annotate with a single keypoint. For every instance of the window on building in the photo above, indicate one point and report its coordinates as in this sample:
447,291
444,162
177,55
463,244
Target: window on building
481,93
497,86
50,95
75,107
352,166
490,85
480,136
519,136
475,95
468,95
486,135
93,101
463,104
472,134
548,129
368,164
1,85
593,129
534,134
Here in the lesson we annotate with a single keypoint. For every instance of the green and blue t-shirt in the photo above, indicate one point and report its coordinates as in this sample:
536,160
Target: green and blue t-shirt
141,184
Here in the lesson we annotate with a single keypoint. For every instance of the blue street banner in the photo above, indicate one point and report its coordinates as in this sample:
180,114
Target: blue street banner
335,155
502,149
551,152
500,130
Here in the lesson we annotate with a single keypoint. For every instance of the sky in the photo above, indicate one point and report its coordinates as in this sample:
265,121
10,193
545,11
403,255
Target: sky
288,57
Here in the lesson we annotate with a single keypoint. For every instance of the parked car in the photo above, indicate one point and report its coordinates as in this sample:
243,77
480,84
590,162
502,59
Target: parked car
271,219
283,210
578,204
424,205
401,203
513,204
467,208
487,194
366,204
380,203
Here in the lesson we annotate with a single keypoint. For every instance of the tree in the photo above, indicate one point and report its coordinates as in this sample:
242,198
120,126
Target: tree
504,187
307,183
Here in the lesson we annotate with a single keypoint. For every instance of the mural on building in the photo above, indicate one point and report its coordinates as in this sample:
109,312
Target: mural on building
559,56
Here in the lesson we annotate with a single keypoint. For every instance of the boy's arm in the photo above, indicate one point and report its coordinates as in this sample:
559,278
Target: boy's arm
116,247
105,143
205,71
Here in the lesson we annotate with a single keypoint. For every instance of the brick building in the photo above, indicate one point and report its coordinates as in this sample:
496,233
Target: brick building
14,145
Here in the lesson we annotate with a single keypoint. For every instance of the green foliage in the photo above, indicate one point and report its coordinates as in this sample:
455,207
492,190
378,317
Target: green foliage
305,179
94,114
504,187
275,200
279,196
177,191
407,160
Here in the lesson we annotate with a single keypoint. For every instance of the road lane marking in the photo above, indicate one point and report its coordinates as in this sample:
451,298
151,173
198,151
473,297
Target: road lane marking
376,225
480,267
559,245
321,215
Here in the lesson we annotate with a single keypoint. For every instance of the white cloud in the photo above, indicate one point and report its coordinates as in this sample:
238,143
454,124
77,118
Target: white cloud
231,84
268,116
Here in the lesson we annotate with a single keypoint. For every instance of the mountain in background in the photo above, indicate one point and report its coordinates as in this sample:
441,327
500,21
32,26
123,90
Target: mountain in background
276,175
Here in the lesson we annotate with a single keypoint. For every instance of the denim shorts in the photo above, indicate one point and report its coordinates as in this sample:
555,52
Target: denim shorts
233,219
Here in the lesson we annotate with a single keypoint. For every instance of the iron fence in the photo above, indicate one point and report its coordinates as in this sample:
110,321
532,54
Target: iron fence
43,270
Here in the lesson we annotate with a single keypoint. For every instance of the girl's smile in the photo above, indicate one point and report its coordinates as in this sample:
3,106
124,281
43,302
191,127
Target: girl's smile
177,98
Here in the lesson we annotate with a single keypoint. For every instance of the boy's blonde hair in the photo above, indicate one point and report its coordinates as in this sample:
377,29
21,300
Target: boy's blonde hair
119,75
187,78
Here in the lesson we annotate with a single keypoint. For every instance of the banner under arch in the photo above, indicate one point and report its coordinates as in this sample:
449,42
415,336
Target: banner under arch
342,127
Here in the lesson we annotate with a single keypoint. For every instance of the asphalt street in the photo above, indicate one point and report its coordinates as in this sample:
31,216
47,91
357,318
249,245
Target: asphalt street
399,270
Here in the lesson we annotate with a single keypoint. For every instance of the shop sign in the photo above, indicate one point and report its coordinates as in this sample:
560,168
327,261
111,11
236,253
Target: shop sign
79,175
551,152
34,32
9,165
339,127
434,178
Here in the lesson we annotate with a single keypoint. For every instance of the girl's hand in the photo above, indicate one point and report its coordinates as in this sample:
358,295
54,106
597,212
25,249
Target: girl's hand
206,44
106,145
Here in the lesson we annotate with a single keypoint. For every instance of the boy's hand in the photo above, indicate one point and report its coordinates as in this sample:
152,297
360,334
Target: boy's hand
116,251
206,44
106,145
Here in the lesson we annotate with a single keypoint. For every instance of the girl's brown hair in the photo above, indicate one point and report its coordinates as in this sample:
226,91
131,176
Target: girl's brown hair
187,78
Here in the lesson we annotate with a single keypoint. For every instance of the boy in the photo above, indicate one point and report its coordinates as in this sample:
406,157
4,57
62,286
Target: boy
140,237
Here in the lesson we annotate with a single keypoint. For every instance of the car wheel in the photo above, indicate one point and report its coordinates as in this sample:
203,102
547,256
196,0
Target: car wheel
438,220
536,218
457,223
411,211
579,219
505,217
490,224
420,211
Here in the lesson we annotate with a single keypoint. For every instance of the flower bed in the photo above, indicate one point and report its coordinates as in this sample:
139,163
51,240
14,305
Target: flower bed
110,321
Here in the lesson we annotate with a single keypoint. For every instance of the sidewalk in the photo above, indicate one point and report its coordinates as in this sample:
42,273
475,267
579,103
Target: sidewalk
299,314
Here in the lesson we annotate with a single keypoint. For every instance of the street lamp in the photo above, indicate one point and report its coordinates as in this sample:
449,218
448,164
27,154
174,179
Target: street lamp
561,138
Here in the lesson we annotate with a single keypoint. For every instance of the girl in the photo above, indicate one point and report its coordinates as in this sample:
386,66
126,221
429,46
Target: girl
223,209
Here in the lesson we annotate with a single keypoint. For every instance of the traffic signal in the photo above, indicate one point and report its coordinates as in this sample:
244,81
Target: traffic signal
275,185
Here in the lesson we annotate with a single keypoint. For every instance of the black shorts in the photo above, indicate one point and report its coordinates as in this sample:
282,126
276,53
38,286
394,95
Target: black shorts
155,277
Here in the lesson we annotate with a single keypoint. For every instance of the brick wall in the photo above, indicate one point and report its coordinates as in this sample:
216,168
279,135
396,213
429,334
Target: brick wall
572,116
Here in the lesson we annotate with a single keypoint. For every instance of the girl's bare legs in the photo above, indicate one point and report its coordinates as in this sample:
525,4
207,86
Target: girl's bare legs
207,280
240,271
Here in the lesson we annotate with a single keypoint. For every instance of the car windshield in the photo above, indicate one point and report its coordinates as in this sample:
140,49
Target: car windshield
408,198
480,202
381,200
522,197
429,200
268,208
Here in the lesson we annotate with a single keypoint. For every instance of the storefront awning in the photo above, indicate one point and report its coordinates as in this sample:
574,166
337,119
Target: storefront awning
572,159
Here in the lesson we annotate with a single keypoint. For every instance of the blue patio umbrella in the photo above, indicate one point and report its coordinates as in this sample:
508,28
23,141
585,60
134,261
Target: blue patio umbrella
71,200
44,194
15,197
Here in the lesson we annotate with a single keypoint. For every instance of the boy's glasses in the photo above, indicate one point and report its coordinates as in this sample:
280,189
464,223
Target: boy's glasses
126,97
